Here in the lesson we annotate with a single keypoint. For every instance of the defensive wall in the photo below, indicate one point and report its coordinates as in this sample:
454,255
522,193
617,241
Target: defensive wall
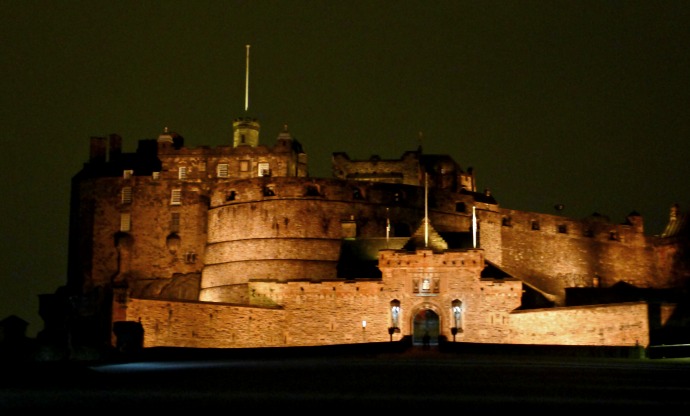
623,324
331,313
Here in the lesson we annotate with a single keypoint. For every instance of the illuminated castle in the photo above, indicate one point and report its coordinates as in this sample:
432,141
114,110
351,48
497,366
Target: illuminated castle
237,246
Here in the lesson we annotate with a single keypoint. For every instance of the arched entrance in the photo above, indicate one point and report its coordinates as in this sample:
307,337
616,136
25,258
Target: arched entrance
425,322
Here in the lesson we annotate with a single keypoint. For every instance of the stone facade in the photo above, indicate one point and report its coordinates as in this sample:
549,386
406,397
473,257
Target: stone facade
237,246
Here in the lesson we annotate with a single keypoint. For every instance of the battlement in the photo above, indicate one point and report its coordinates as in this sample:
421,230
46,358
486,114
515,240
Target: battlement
472,258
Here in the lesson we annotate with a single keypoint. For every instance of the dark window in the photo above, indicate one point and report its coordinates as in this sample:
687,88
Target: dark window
175,222
312,191
535,225
460,207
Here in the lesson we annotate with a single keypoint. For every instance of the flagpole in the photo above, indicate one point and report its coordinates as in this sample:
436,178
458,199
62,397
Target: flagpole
246,83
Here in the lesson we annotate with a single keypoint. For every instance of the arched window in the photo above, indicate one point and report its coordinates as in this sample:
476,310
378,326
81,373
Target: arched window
395,313
456,312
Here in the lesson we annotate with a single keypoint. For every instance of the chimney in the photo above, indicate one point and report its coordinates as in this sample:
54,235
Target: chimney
115,147
97,149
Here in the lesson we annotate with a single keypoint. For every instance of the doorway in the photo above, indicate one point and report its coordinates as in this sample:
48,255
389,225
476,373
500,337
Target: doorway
426,322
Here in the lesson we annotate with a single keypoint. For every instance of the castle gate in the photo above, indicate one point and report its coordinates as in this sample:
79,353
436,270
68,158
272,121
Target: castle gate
426,322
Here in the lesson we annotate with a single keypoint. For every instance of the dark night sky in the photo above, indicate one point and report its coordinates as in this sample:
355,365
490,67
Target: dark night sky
582,103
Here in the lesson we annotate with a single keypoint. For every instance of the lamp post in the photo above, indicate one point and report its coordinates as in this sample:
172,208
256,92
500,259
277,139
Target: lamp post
391,330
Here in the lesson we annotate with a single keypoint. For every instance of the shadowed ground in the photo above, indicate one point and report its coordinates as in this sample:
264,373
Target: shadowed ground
415,379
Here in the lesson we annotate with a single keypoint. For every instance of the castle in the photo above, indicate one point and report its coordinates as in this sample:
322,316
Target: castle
237,246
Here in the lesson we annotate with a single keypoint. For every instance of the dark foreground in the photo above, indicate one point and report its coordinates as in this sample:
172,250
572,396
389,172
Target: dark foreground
414,380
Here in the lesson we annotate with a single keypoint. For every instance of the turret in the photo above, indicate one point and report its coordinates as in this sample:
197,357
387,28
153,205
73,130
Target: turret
245,132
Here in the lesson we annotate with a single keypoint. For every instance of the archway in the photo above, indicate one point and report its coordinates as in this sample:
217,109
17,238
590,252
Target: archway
426,321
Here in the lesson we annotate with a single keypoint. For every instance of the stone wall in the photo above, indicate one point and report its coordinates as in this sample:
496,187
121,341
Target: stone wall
623,324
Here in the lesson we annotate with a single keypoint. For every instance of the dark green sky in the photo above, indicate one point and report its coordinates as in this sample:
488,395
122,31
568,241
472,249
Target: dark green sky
583,103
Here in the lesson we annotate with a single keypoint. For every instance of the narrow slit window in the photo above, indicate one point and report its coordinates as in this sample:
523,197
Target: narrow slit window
176,197
125,222
182,173
127,195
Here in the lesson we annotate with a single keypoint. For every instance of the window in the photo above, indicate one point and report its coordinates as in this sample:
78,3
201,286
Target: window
264,169
457,313
176,197
244,166
312,190
190,257
156,176
231,196
127,195
222,170
460,207
535,225
125,221
562,228
268,191
395,314
175,222
127,173
182,173
506,222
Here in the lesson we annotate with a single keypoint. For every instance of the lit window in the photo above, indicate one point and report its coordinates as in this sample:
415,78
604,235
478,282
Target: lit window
176,197
244,166
395,314
127,174
264,169
125,221
156,176
182,173
456,313
222,170
127,195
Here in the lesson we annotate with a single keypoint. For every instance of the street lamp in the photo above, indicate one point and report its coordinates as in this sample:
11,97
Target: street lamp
391,331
